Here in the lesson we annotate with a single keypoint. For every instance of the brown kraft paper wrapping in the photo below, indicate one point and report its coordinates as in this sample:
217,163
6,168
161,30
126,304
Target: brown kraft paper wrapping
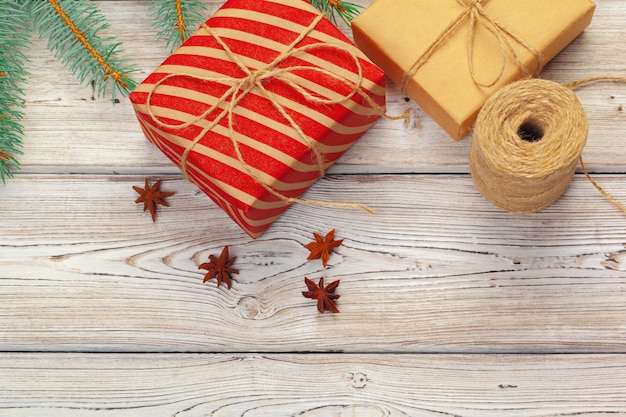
395,34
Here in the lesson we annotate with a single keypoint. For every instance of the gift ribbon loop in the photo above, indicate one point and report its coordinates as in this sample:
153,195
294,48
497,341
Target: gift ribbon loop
253,81
475,12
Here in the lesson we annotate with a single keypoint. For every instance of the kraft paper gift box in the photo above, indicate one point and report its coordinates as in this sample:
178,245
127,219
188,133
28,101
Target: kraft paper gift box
406,39
258,104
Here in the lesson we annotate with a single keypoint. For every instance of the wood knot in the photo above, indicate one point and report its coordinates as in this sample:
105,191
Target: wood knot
249,307
615,260
358,380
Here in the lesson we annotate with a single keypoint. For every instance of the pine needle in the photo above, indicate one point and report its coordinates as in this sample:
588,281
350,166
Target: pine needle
176,20
14,37
72,28
346,10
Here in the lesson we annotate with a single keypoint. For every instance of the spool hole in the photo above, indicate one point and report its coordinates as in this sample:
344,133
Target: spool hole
530,131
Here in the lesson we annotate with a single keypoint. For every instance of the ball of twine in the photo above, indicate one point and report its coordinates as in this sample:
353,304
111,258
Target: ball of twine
527,141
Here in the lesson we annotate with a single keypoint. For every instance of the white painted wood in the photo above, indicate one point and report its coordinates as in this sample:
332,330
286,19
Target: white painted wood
83,268
437,270
230,385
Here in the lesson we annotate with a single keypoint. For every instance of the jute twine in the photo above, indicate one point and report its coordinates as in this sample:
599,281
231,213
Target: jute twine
527,141
252,81
474,12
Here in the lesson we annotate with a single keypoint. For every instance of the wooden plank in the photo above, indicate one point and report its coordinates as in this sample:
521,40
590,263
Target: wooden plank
231,385
106,139
438,269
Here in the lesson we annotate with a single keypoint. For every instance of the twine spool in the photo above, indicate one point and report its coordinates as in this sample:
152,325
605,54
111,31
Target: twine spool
527,141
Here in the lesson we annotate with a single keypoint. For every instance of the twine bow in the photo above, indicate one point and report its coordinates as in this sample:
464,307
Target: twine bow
475,12
253,81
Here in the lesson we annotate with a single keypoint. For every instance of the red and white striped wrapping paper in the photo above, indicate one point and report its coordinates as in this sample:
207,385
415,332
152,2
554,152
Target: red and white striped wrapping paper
195,78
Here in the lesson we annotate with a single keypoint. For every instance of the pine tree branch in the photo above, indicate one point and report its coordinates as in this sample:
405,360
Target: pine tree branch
72,28
176,20
14,37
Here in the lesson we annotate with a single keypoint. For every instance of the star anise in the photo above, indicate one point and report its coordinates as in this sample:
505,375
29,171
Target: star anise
220,268
323,295
322,246
151,196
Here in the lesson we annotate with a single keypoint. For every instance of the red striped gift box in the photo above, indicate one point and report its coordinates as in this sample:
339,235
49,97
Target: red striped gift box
258,104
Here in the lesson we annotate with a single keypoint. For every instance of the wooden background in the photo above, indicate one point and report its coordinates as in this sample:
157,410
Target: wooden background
449,306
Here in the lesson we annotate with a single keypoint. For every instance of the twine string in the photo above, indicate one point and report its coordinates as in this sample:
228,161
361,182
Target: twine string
579,83
253,81
585,81
601,189
475,12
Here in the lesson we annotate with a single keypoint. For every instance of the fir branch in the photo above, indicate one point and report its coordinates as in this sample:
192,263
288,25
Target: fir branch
72,28
346,10
176,20
14,37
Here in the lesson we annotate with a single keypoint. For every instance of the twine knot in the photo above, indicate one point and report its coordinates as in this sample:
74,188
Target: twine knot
260,75
477,15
